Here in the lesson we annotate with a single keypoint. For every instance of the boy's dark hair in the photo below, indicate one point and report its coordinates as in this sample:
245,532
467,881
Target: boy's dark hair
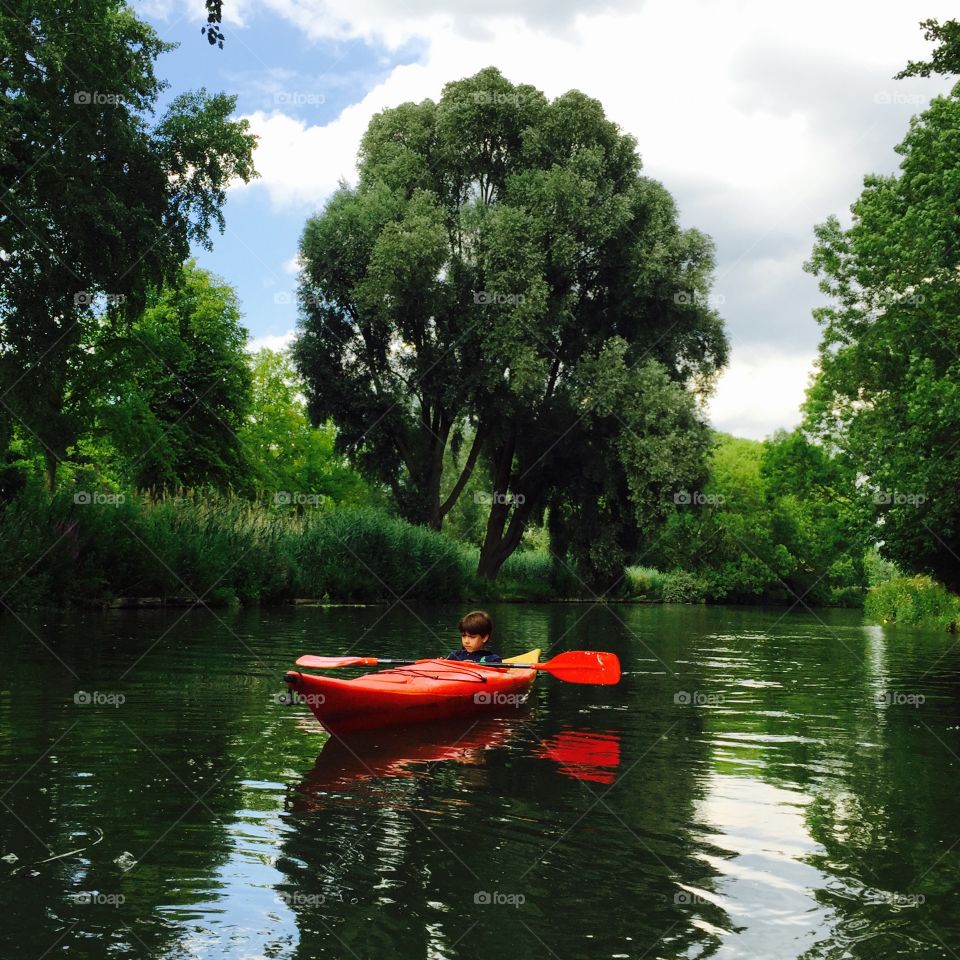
477,621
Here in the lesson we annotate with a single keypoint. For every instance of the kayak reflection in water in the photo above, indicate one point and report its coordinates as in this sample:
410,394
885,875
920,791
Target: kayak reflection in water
476,628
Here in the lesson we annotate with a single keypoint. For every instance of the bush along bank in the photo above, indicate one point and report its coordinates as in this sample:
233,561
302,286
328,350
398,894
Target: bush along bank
914,601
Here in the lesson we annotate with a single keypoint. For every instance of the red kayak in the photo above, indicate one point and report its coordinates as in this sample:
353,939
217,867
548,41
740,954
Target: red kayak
418,693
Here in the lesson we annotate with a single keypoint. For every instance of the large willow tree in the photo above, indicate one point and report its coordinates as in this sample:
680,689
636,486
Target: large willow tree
502,271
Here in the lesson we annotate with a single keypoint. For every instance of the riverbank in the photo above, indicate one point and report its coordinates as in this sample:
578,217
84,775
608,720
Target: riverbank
116,550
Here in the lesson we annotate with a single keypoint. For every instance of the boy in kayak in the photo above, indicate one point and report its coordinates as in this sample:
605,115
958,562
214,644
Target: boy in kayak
475,631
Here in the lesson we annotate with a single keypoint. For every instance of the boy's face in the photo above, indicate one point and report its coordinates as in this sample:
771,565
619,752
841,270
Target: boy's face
472,642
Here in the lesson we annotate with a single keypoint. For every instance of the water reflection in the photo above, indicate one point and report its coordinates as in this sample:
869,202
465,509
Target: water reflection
761,784
348,763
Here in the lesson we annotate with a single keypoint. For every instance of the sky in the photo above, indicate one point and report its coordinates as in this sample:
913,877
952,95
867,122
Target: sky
760,118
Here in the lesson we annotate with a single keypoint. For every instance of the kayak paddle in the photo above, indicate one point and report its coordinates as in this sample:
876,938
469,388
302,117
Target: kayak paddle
575,666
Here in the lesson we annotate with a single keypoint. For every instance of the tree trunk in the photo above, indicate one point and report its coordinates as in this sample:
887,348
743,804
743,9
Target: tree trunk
51,463
465,474
499,545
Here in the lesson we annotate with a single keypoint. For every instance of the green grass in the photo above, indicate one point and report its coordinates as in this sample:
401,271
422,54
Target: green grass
677,586
218,549
644,583
914,601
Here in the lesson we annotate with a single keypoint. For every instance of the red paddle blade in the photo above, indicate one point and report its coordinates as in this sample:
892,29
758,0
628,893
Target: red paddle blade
326,663
584,666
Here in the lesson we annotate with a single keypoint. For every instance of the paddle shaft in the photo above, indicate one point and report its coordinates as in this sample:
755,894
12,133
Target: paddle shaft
575,666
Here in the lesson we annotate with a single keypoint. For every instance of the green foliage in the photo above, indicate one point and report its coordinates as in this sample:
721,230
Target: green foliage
945,59
888,390
101,202
639,438
877,569
363,555
528,575
774,522
682,587
294,461
173,391
914,601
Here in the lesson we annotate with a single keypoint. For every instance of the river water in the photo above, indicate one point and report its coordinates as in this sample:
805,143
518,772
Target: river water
761,784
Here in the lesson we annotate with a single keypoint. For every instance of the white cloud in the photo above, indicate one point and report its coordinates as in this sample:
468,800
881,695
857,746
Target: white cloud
292,265
760,118
760,391
764,145
273,341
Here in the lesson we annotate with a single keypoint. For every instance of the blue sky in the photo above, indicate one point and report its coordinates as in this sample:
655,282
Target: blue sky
761,119
271,67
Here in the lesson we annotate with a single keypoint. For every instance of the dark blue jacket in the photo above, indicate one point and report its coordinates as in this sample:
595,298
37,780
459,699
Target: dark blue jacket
480,656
